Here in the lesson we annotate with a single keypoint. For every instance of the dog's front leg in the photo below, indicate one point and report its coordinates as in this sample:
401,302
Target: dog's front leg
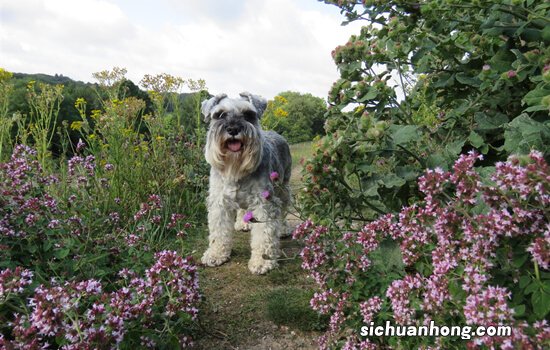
264,241
221,221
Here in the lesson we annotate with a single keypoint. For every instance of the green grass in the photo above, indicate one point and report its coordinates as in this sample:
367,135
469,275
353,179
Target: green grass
300,150
289,306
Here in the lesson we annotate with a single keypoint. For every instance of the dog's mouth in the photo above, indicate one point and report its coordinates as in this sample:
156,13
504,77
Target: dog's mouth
234,145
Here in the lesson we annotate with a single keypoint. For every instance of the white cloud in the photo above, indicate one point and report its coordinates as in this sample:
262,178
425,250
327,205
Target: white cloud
263,46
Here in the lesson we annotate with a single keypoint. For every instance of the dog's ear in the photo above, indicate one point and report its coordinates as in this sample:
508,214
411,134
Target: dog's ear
258,102
208,105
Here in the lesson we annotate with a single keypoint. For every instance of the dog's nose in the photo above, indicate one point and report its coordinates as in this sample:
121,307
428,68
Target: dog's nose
233,130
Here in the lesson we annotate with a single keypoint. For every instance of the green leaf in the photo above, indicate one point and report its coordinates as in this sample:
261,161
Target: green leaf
535,96
404,134
455,148
465,79
373,92
524,281
437,160
444,80
541,303
406,172
372,190
392,180
523,134
519,310
47,245
62,253
519,260
485,122
535,108
475,139
531,288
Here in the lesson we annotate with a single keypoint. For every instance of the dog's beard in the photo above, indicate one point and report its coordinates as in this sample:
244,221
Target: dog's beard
234,157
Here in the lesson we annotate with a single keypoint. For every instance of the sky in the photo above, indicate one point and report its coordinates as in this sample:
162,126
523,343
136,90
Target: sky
261,46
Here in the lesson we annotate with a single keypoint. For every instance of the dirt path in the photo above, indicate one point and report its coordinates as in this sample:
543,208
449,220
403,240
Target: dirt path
234,312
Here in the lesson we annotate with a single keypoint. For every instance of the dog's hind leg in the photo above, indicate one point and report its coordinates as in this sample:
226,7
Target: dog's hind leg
286,201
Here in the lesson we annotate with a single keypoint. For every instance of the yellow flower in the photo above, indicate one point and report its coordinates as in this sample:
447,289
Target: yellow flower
96,113
5,75
76,125
281,113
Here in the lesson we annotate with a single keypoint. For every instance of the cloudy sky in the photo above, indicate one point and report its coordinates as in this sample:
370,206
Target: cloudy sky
261,46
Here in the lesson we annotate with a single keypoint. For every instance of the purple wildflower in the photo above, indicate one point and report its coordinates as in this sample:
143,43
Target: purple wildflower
274,176
248,217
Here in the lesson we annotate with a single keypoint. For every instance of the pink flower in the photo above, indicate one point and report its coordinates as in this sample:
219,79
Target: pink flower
266,194
511,74
274,176
248,216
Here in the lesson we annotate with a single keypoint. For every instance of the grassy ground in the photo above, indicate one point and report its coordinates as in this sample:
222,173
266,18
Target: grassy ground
244,311
299,151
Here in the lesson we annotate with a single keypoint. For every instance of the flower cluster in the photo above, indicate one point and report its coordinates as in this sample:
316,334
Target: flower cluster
369,308
453,246
76,233
83,315
14,282
21,193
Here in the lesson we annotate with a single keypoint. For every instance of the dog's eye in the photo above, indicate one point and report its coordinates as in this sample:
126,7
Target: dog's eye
219,115
249,116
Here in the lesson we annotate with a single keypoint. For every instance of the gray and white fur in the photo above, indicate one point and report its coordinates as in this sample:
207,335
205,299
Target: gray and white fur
242,158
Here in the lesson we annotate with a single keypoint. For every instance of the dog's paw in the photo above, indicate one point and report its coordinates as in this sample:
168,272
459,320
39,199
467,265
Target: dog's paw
211,258
259,265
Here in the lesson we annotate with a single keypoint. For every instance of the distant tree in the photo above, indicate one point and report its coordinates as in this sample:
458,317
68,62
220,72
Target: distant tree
298,117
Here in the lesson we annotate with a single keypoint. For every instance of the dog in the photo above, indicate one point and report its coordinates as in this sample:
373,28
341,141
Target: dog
250,173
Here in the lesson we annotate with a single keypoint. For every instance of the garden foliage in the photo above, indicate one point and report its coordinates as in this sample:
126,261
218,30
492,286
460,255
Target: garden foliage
472,253
93,247
422,83
457,87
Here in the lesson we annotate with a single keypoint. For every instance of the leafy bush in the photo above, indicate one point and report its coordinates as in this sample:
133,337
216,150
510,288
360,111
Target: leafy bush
298,117
92,247
473,252
142,312
421,84
70,247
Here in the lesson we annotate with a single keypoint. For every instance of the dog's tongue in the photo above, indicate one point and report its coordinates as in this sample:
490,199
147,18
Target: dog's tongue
234,146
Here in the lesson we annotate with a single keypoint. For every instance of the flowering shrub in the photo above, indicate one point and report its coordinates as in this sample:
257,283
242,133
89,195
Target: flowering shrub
71,230
473,253
141,312
420,84
94,300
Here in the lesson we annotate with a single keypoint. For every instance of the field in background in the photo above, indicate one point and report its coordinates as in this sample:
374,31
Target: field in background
299,151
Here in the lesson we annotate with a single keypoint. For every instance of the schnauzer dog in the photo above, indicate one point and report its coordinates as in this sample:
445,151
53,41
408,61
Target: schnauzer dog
250,171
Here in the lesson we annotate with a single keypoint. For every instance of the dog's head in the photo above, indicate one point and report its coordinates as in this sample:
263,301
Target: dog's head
234,139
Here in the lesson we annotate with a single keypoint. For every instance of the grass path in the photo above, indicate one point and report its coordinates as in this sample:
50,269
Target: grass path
244,311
